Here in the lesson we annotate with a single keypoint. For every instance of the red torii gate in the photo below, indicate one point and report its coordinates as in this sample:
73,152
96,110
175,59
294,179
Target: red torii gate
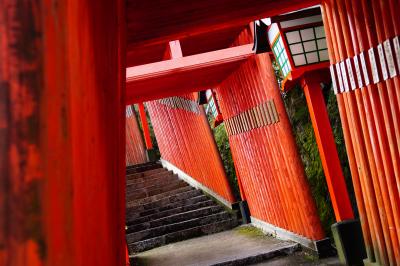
62,117
201,71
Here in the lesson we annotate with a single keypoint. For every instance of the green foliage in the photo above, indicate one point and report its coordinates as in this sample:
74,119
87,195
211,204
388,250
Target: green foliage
249,231
334,117
224,148
221,138
299,117
297,110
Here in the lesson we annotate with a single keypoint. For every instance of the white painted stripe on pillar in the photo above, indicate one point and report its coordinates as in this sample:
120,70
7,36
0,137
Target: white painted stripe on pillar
389,58
350,73
334,81
396,44
374,67
344,76
382,60
339,75
358,72
364,68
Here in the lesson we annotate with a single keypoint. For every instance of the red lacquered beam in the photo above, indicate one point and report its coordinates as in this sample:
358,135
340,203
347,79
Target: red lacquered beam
327,148
135,150
145,126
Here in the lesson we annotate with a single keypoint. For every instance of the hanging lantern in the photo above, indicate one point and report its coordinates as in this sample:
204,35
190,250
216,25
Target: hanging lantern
202,97
298,43
213,107
261,44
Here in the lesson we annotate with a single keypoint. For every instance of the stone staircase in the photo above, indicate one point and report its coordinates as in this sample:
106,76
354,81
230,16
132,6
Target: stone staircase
162,209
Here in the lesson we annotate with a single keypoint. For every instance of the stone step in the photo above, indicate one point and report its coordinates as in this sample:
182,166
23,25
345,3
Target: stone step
176,218
157,197
134,166
163,209
154,189
235,247
143,168
168,208
146,173
146,193
161,182
151,180
163,199
170,228
182,235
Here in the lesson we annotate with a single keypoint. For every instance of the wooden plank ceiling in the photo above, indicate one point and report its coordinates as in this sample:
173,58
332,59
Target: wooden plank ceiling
196,44
160,21
201,26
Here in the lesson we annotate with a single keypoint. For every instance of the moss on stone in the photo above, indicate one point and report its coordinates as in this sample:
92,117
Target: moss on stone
250,231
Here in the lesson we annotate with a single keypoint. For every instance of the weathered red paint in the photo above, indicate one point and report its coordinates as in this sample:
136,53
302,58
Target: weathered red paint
145,126
21,81
62,182
326,146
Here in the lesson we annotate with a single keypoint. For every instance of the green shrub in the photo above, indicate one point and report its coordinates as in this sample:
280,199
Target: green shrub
221,138
297,110
299,117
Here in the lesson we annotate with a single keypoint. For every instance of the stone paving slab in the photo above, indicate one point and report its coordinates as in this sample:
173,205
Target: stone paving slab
300,259
244,245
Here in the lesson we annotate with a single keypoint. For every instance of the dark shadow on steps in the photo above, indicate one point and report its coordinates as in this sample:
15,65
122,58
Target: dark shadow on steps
162,209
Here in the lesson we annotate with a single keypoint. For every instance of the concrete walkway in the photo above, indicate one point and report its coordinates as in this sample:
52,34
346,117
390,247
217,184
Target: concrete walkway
299,259
244,245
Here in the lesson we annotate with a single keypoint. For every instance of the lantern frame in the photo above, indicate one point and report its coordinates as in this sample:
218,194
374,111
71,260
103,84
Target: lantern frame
213,106
312,51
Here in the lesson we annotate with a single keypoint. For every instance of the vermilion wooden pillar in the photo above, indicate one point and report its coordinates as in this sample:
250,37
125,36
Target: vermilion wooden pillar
135,147
145,125
327,147
62,133
21,178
